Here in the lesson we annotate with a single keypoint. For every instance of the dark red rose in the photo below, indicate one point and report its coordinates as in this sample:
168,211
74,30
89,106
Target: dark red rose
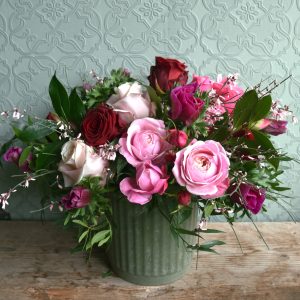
249,196
101,125
166,73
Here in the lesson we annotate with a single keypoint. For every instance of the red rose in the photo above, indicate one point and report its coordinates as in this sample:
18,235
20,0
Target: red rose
166,73
101,125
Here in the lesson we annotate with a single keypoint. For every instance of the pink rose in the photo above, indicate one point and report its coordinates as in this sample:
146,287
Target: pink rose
204,83
149,180
80,160
228,92
131,102
202,167
184,105
177,138
78,197
146,140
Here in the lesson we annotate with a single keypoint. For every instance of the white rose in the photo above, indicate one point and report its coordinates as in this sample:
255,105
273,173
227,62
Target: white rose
131,102
80,160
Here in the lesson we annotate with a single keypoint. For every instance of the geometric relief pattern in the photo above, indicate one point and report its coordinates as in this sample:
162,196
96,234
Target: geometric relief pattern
255,38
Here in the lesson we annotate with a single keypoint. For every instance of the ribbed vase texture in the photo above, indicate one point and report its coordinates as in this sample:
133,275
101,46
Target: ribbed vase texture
143,249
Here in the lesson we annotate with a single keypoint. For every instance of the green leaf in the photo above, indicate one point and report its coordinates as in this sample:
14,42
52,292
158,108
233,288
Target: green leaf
208,209
212,243
260,139
83,235
244,108
156,99
77,109
211,231
36,131
59,98
24,155
102,242
262,108
185,231
100,236
48,155
82,223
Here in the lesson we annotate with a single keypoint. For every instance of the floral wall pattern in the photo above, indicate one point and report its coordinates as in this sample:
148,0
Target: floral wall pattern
256,38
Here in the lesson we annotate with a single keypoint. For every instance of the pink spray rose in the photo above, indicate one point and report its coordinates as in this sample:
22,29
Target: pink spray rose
228,92
177,138
202,167
149,180
78,197
146,140
184,105
80,160
12,155
131,102
272,126
204,83
250,196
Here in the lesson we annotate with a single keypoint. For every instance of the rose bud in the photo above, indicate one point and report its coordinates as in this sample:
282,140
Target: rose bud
53,117
184,198
177,138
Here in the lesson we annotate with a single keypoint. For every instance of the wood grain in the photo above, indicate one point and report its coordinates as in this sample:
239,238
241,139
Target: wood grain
35,263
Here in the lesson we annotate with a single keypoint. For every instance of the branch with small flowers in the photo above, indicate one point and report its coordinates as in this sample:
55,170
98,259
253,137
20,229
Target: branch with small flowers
171,143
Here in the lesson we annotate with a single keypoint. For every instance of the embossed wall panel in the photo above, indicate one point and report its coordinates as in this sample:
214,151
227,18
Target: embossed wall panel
256,38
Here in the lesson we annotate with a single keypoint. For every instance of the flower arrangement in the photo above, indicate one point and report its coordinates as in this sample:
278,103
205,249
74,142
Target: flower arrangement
171,143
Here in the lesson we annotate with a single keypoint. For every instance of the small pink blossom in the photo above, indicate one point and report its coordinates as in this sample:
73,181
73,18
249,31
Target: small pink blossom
204,83
228,92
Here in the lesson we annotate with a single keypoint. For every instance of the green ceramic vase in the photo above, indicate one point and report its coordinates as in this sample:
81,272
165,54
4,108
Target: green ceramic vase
143,250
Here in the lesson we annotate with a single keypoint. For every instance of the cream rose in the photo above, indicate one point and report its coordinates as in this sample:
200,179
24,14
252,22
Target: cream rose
79,161
131,102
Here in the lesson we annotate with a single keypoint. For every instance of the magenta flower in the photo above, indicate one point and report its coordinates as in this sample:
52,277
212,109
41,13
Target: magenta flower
184,105
78,197
13,154
251,197
149,180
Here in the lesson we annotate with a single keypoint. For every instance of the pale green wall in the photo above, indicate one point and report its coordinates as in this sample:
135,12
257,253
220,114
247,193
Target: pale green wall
256,38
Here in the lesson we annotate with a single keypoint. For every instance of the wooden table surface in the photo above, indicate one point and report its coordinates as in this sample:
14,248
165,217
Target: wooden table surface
35,263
